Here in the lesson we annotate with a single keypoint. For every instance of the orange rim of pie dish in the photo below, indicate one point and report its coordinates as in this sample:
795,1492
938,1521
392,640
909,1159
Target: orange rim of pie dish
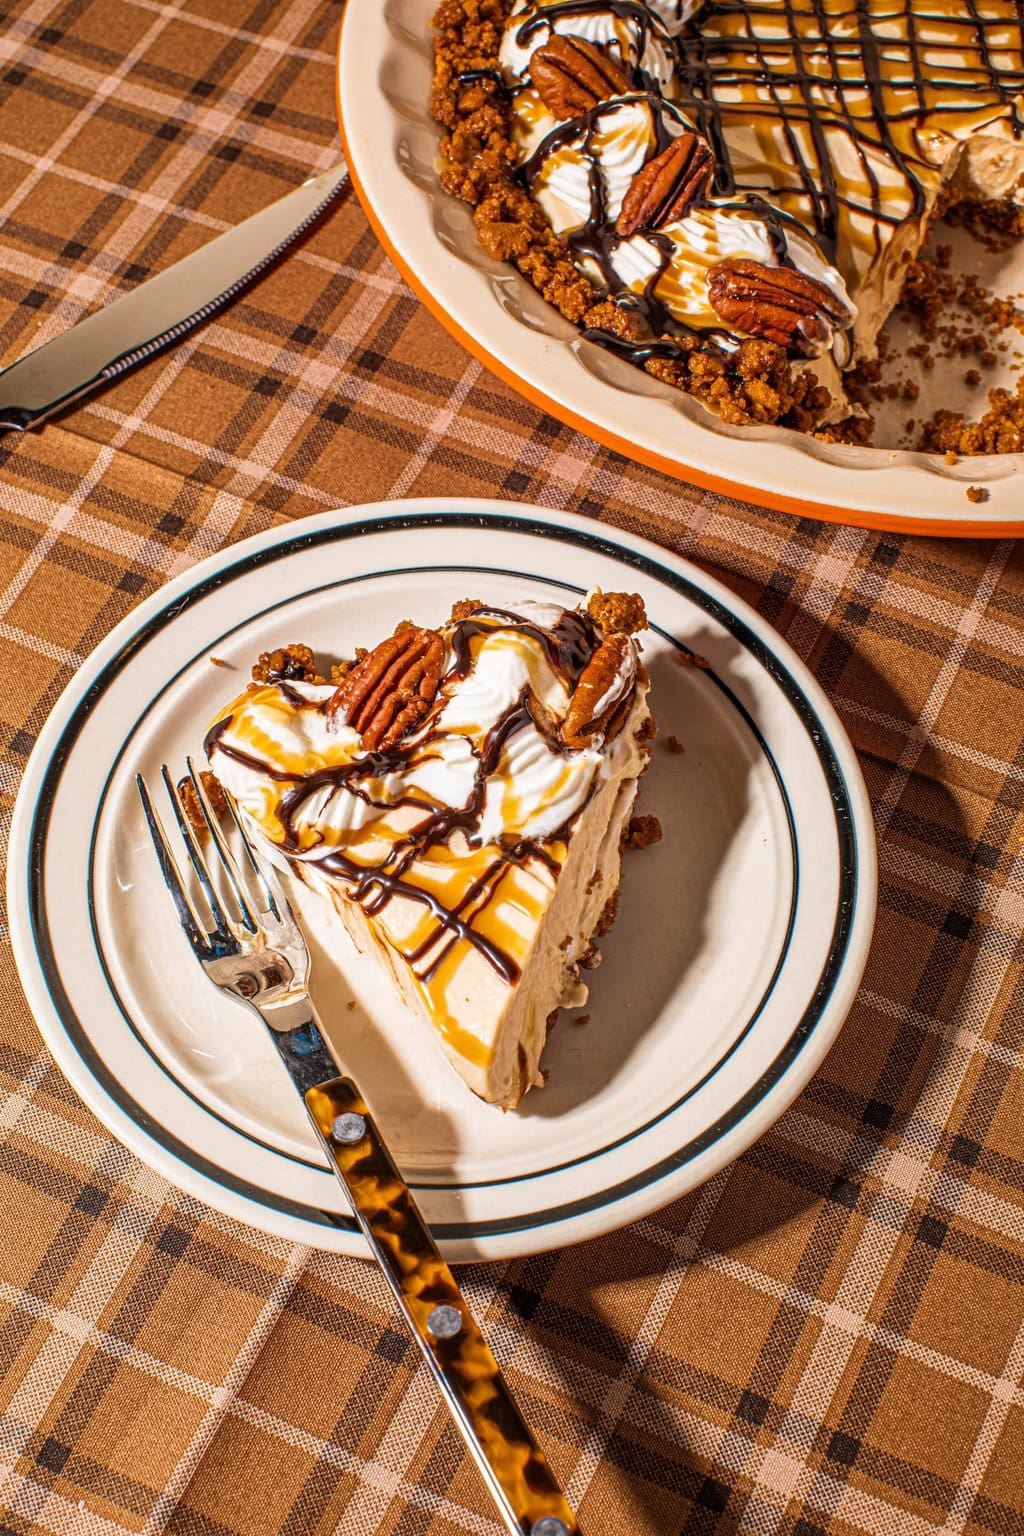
887,521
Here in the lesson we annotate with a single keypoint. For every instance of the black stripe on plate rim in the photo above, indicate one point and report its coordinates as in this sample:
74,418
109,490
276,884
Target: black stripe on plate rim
298,541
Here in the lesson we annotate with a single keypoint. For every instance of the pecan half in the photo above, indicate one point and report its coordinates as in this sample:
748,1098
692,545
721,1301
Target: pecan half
392,687
779,304
667,186
572,75
601,687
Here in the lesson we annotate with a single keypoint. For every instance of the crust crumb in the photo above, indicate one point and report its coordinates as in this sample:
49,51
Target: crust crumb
190,802
617,613
976,493
605,921
583,1018
642,832
674,745
464,607
288,664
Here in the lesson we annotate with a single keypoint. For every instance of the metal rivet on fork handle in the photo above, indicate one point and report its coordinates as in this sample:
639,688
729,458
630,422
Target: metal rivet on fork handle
349,1129
549,1525
444,1323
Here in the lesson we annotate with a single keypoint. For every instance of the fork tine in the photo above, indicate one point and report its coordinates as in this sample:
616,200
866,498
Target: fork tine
195,855
271,892
231,870
196,934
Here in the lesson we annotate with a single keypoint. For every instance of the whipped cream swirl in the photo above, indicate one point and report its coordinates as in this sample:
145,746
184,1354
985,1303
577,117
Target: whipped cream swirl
676,14
715,233
616,142
630,32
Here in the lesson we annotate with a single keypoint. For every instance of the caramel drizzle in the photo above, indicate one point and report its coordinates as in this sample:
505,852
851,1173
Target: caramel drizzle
569,643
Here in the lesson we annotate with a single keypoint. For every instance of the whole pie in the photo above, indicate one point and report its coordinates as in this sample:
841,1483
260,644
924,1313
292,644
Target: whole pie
730,194
460,796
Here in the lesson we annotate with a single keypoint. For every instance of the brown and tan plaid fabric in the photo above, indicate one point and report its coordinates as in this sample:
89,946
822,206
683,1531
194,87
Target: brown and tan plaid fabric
829,1337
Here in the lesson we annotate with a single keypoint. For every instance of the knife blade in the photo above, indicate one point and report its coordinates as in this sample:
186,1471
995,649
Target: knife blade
161,309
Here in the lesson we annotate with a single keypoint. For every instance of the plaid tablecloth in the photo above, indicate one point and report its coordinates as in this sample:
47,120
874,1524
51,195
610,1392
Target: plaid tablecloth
828,1337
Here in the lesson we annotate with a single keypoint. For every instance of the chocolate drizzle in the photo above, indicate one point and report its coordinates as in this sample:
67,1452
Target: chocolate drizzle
490,76
568,643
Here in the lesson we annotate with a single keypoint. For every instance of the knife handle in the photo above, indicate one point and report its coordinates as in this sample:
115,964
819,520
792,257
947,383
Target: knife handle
512,1463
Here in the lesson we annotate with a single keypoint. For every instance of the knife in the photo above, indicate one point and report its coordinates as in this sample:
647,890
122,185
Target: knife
160,310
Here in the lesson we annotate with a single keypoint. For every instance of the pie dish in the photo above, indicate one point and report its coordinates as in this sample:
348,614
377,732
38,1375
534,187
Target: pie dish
736,955
459,796
384,82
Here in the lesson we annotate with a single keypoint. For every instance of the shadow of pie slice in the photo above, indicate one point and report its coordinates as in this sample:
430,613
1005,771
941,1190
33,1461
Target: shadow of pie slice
460,796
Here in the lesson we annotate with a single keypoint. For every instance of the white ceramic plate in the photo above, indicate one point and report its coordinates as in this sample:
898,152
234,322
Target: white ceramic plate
739,946
384,79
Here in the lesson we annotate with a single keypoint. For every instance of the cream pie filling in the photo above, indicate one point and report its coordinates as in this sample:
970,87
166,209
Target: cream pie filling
450,854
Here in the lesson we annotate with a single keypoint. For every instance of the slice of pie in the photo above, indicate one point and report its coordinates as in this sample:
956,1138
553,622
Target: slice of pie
460,795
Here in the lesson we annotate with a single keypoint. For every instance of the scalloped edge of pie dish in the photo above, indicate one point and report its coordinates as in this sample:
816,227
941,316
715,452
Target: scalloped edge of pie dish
383,81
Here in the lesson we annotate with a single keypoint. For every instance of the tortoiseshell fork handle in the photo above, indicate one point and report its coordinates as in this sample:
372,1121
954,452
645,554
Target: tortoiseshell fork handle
512,1463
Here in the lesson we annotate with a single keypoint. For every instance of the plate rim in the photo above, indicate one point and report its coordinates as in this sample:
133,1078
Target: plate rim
764,496
614,543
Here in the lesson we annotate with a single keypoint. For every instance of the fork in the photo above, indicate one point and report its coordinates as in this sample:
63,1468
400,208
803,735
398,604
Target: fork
258,954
